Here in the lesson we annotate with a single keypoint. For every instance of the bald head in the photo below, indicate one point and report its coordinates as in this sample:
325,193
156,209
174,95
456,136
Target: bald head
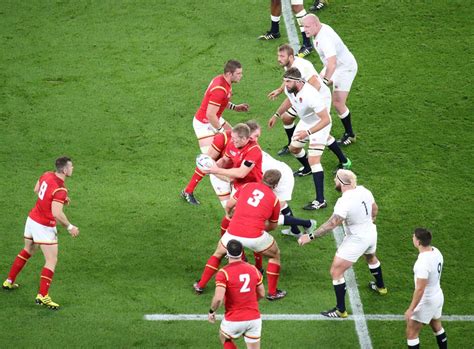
311,25
345,179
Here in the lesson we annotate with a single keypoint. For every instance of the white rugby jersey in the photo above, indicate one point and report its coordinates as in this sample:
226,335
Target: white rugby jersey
307,70
327,43
270,163
307,103
355,206
429,266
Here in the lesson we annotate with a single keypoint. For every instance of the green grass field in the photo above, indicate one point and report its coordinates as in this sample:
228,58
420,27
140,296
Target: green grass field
115,84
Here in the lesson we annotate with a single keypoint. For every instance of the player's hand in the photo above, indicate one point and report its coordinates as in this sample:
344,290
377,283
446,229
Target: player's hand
408,314
300,135
274,94
74,231
211,317
212,170
304,239
242,107
272,121
327,82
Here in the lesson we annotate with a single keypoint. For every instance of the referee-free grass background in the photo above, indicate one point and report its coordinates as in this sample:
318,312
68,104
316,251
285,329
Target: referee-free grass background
115,84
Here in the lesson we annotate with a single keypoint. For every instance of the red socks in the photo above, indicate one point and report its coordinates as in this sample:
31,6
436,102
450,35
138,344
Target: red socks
229,345
210,269
224,224
45,281
18,265
273,272
258,260
195,179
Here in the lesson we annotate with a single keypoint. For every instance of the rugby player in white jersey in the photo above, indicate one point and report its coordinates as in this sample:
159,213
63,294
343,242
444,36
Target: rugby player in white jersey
427,302
340,69
287,59
314,128
284,189
356,210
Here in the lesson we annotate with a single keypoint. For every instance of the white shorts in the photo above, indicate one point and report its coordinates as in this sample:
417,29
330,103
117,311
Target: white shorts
284,189
343,77
296,2
429,309
320,137
251,329
40,234
221,187
353,246
205,130
260,244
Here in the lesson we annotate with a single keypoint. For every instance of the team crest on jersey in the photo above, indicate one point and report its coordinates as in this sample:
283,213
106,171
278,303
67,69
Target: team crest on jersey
233,153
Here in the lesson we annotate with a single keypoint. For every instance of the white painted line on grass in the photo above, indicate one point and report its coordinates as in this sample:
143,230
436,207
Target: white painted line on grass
301,317
354,297
290,25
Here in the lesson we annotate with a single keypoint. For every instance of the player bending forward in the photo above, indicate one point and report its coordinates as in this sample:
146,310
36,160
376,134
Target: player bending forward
40,229
239,285
255,211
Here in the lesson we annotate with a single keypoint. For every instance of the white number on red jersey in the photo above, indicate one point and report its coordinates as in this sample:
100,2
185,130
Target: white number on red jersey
245,278
42,190
256,198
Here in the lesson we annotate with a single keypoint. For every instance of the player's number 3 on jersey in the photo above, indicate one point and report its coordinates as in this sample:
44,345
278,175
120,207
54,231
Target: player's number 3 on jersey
257,196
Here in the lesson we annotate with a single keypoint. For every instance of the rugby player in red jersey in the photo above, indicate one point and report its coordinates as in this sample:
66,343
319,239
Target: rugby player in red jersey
254,209
221,187
40,229
208,119
239,285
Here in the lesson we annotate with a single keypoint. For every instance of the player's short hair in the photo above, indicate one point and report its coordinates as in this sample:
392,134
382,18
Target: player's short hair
253,125
346,177
287,48
271,178
234,248
424,236
61,163
231,66
293,74
242,130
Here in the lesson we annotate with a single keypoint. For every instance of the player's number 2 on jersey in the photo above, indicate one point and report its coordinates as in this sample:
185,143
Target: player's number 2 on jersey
256,197
42,190
245,278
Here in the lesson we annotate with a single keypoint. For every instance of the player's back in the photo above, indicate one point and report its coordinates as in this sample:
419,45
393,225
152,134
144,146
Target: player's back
241,281
256,203
429,266
270,163
51,188
220,141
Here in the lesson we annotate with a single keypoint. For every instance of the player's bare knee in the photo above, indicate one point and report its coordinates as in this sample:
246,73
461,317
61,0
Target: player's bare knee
436,325
294,150
371,258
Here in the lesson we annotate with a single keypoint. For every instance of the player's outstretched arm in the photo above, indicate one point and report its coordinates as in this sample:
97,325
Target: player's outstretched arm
325,228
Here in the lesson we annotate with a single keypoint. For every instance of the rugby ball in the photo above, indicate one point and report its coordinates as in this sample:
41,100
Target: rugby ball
204,162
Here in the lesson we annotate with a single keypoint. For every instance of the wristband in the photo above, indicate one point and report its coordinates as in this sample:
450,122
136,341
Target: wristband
311,236
309,132
211,311
69,227
232,106
277,115
326,81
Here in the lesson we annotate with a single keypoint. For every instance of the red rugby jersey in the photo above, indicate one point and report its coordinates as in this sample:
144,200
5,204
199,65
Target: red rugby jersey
256,203
220,140
240,280
218,93
250,152
51,188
